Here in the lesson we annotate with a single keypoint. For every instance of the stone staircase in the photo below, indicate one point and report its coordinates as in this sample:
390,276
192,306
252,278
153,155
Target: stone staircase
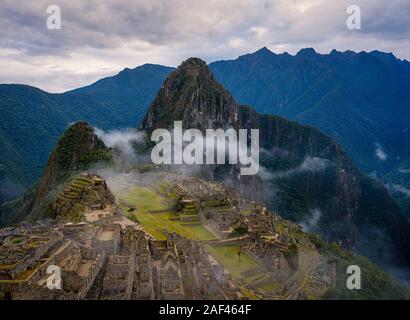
85,192
189,212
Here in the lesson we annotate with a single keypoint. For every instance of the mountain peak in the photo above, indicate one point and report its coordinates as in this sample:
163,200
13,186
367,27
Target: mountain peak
80,125
190,94
263,51
193,62
306,52
193,69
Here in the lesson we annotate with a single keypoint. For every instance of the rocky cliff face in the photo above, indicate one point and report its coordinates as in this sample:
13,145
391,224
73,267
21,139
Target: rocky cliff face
305,174
192,95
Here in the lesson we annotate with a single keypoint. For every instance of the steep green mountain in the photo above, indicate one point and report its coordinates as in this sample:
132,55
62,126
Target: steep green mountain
33,120
305,173
78,149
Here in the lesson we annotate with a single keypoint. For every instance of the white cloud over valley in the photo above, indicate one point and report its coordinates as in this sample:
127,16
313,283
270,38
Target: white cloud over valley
379,152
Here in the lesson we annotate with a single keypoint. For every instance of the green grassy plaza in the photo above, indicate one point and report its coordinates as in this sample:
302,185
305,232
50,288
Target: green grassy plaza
144,199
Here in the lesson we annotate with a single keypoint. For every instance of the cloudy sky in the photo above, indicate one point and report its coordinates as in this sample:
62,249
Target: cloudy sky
101,37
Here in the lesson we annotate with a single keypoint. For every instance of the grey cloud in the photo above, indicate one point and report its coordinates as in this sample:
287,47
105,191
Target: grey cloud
388,19
121,139
108,34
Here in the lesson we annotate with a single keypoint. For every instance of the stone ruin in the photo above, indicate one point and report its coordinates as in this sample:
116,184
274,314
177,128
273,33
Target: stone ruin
108,257
207,278
87,192
26,277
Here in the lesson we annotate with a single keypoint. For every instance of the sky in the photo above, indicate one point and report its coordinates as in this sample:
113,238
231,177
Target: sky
99,38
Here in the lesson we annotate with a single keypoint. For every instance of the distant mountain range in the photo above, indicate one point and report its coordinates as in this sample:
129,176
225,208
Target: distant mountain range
360,99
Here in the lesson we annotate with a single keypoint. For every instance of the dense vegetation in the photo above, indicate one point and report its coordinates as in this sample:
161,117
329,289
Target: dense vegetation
375,283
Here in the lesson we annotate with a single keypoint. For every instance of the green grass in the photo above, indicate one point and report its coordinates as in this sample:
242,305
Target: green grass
228,256
144,199
154,223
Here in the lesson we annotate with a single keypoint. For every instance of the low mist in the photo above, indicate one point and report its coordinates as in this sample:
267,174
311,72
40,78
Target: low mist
310,164
120,139
311,223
